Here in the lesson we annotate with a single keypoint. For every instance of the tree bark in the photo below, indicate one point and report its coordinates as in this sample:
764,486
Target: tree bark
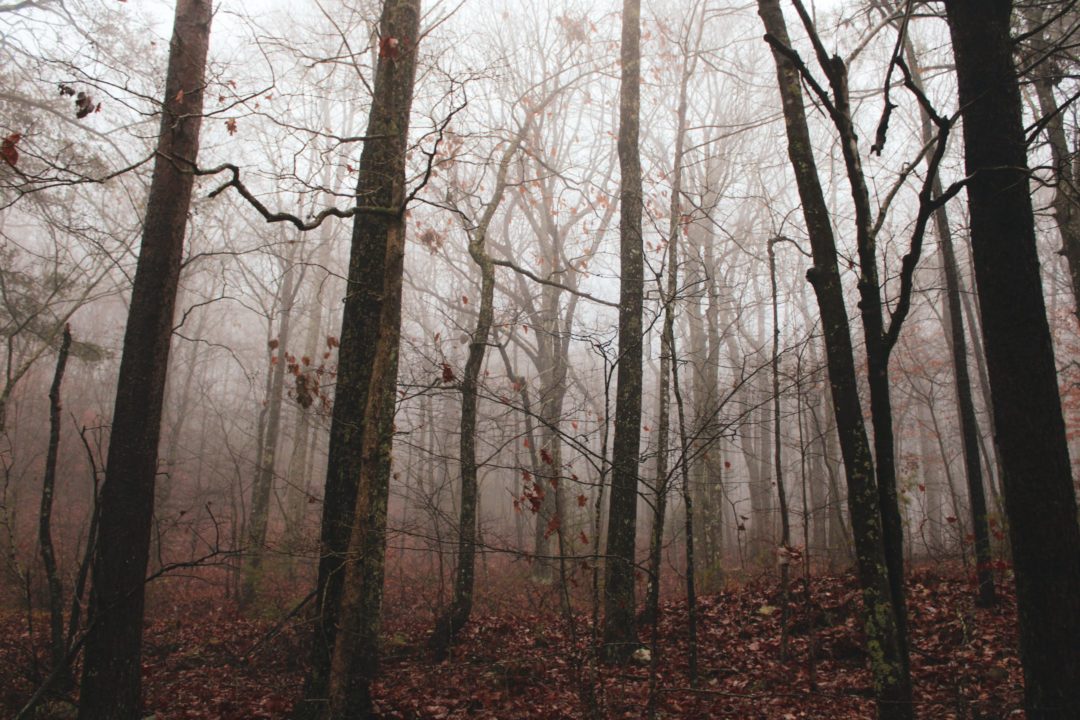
620,626
362,433
111,673
57,645
369,329
892,684
1039,493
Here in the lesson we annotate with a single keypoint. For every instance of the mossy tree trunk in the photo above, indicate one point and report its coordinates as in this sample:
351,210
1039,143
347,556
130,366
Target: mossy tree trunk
892,685
354,513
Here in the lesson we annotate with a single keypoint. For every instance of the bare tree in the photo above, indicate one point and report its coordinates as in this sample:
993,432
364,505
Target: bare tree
111,673
620,626
1039,493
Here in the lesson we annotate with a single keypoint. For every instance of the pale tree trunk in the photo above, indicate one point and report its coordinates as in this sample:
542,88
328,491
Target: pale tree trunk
667,357
707,468
300,468
1039,492
620,625
931,482
756,450
263,486
300,462
778,467
111,685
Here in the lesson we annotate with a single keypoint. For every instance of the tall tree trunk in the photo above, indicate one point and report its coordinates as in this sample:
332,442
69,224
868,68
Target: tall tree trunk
369,327
892,684
447,626
57,645
620,626
362,436
1039,493
667,357
111,671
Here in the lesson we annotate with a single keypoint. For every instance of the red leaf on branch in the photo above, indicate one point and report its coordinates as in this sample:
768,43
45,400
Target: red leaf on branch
581,500
447,373
546,456
8,150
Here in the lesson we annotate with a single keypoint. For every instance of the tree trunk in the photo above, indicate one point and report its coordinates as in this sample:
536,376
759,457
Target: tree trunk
1039,493
369,327
667,357
57,645
620,626
892,683
447,626
778,468
362,434
111,681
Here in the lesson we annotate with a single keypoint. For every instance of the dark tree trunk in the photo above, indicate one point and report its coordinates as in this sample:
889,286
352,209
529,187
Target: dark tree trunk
111,682
447,626
620,626
370,323
888,667
57,646
1039,493
354,549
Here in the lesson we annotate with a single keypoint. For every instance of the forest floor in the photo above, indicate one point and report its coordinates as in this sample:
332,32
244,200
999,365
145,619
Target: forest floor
520,658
